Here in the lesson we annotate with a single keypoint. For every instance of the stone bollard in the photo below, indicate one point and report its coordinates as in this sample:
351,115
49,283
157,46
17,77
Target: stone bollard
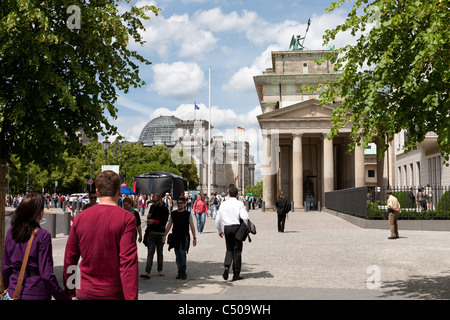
66,223
263,207
52,224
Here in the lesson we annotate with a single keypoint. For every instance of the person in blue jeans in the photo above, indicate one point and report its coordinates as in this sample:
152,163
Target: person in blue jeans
181,220
201,211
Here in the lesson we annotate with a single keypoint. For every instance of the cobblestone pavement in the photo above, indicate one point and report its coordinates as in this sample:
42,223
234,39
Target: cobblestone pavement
319,256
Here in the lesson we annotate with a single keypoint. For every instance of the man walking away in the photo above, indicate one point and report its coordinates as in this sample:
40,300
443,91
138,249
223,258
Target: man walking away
104,236
283,207
230,213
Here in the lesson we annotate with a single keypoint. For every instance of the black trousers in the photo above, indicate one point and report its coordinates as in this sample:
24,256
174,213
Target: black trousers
281,222
234,249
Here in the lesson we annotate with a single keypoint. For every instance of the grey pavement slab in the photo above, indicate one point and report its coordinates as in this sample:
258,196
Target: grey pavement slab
320,256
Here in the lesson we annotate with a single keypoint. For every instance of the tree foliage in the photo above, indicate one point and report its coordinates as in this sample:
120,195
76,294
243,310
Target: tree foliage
73,175
257,189
395,76
57,82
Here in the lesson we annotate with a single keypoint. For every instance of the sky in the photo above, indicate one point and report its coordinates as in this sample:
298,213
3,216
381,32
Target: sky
235,39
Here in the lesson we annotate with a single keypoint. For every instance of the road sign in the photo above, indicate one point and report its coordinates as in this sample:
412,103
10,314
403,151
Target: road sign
90,181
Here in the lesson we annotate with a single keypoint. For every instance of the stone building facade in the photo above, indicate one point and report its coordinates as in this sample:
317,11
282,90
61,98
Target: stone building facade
298,159
231,161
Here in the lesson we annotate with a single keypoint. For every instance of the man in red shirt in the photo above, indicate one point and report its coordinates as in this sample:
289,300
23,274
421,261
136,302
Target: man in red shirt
104,236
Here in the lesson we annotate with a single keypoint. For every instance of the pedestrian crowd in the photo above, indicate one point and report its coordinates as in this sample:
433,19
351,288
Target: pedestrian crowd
100,259
50,200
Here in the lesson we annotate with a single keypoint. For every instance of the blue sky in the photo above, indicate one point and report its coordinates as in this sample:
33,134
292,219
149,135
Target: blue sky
235,38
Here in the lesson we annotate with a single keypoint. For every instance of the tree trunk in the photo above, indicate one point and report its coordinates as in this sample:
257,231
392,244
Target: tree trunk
2,215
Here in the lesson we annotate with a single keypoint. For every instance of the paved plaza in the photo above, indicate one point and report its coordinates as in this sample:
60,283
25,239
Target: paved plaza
320,256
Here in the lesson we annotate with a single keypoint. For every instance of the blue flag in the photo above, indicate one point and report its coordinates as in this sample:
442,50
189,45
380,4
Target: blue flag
197,107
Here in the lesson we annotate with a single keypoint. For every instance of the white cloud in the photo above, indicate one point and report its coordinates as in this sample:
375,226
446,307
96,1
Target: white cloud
279,36
132,105
242,80
178,35
179,80
216,21
224,121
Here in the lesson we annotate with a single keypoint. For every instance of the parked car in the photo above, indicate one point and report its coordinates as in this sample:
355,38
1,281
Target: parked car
75,196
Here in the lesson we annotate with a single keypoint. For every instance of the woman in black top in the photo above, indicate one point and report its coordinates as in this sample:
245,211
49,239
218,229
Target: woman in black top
181,220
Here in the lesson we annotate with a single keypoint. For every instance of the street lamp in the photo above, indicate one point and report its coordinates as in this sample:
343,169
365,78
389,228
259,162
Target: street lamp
106,145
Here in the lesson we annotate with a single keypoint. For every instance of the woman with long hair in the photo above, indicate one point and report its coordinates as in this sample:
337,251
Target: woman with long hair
200,210
39,281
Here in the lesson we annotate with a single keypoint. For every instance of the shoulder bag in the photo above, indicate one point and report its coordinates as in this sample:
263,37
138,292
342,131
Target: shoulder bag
5,294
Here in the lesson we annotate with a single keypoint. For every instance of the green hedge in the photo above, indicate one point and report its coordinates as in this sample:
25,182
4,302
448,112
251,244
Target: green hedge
442,211
444,202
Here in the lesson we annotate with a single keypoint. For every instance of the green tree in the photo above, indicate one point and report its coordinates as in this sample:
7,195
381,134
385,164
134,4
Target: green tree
395,76
257,189
58,79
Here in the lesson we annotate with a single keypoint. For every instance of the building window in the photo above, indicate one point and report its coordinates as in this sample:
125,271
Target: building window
371,173
405,171
305,68
419,174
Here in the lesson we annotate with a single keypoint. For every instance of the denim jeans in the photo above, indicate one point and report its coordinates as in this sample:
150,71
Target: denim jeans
213,211
180,255
154,243
200,220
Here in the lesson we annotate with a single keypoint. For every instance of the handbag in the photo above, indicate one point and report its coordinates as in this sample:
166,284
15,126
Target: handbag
5,295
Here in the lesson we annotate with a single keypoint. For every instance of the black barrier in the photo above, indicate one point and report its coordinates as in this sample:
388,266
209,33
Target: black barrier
353,201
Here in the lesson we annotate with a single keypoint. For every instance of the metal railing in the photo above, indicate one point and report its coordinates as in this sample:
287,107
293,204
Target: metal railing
370,202
415,202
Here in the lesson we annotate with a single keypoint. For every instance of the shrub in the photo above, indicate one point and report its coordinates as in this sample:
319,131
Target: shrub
444,202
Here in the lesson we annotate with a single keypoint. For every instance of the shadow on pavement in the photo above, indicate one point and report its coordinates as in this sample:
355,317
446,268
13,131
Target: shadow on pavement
420,287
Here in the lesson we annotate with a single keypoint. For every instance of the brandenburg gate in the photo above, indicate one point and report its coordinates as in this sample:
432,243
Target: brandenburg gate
299,159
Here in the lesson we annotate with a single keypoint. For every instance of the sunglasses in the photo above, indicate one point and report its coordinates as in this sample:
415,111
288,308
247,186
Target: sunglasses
92,197
180,202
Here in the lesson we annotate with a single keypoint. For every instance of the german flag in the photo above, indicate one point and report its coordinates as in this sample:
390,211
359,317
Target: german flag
240,130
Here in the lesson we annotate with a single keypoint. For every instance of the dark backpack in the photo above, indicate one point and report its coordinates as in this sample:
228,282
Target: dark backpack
287,207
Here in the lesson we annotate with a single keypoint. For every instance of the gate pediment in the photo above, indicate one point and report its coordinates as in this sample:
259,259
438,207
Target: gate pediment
306,110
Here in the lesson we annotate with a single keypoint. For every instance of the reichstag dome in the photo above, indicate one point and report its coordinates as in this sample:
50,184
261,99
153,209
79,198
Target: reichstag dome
161,131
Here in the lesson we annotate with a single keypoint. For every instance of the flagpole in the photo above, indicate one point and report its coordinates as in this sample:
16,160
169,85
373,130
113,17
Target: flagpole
209,137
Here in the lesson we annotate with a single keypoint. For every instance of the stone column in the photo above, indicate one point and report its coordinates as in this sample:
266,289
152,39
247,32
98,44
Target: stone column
297,171
359,167
328,168
269,172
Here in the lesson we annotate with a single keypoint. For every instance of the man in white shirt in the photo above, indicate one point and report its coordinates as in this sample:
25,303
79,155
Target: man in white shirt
229,214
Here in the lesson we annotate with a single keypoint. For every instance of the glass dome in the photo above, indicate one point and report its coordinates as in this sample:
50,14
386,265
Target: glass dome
160,131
